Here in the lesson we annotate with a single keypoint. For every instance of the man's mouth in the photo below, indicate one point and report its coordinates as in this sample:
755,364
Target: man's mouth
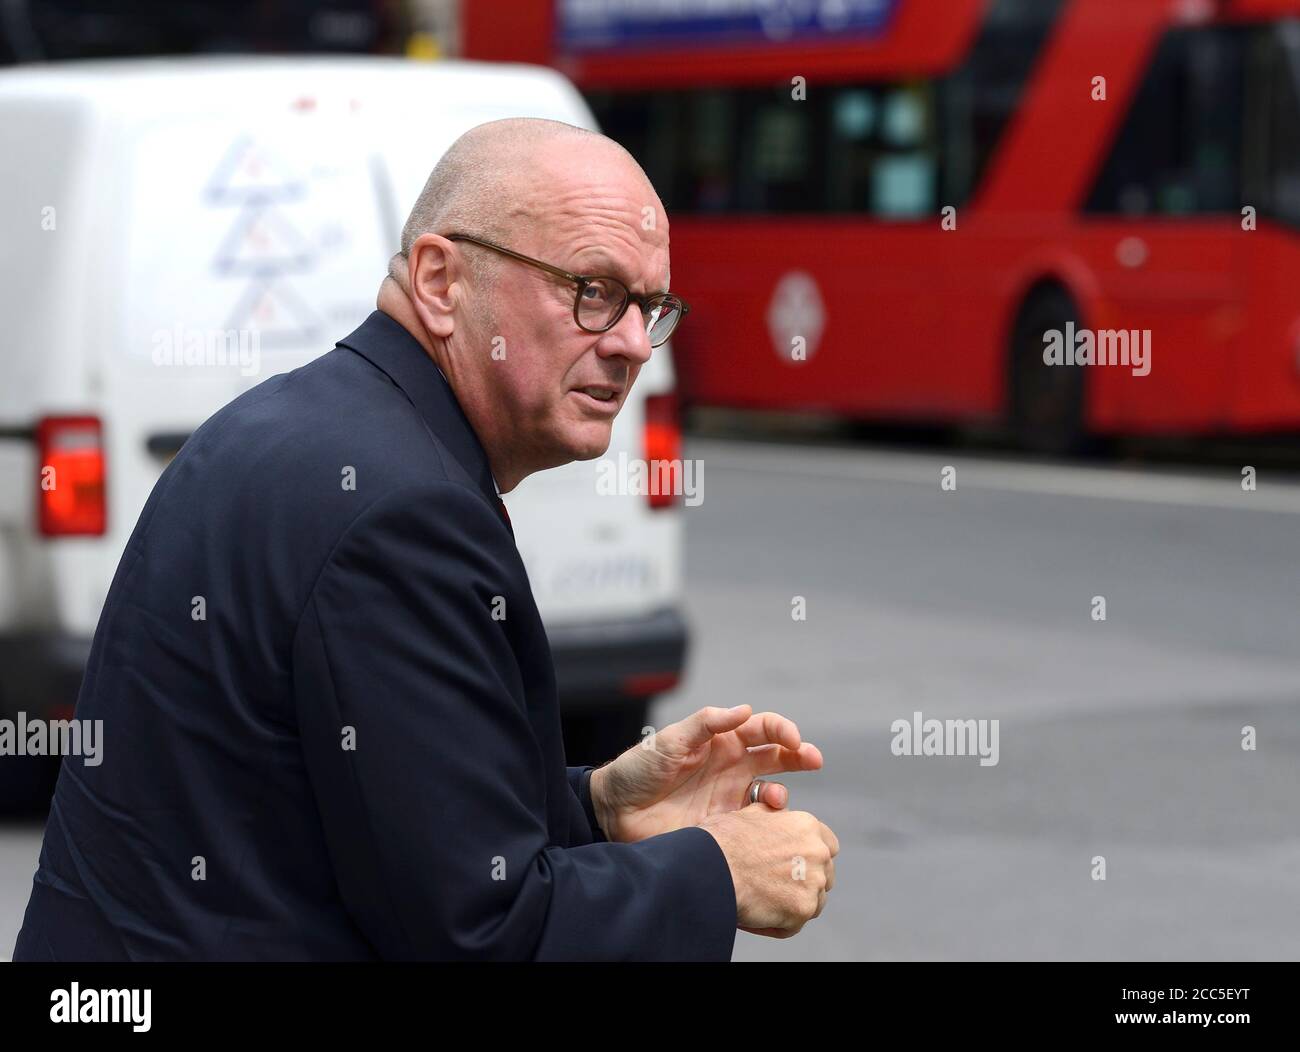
600,393
599,399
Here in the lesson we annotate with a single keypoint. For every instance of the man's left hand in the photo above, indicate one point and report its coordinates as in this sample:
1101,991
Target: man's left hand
697,767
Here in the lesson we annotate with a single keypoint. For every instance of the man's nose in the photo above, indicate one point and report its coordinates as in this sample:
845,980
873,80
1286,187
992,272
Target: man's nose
628,339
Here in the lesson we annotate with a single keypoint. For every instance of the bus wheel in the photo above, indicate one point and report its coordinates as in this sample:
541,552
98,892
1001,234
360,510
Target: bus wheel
1046,401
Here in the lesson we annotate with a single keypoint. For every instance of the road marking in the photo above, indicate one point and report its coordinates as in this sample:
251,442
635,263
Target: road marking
1061,480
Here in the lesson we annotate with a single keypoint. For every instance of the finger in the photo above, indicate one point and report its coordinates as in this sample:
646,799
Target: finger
832,841
821,903
765,727
777,759
699,727
830,875
774,794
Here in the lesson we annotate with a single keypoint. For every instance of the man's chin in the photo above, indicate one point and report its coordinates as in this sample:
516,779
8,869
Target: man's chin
593,451
589,441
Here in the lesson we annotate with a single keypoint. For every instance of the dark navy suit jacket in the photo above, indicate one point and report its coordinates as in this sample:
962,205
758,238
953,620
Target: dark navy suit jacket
321,739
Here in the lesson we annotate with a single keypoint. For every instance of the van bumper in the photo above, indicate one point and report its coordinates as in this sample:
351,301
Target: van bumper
40,674
596,664
599,664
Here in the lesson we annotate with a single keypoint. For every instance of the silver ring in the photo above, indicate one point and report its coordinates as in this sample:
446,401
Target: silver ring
755,789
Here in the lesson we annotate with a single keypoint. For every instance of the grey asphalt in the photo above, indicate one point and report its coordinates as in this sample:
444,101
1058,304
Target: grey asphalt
1119,739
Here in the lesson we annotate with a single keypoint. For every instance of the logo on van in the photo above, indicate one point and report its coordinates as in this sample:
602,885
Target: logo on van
264,247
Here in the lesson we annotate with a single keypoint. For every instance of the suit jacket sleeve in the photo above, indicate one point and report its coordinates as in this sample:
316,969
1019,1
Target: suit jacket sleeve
580,783
431,788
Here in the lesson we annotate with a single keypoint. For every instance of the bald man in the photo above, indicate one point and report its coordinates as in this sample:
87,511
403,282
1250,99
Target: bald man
329,712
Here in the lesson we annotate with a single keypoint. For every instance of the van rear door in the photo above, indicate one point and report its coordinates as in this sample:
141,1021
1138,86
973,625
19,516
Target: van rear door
251,244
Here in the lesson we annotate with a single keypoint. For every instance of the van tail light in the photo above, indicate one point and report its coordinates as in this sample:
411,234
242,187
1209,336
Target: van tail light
663,450
650,684
70,483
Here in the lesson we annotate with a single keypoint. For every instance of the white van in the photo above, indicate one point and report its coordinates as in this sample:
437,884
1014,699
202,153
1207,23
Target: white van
172,233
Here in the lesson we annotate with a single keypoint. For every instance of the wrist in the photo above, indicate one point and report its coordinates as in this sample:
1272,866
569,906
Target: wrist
605,814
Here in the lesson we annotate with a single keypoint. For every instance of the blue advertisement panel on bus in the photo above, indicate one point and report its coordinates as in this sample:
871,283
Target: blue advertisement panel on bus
590,25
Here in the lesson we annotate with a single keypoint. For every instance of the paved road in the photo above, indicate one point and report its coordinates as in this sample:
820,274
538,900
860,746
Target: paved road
1119,738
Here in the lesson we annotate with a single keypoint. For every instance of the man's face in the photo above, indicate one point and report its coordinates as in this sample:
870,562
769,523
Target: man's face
559,387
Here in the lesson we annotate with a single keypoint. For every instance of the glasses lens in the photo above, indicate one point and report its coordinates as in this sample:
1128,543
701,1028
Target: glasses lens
600,301
662,319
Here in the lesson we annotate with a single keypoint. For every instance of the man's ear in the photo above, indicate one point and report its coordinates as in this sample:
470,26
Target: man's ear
432,274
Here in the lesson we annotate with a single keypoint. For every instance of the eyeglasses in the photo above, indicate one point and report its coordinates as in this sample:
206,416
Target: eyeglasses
601,301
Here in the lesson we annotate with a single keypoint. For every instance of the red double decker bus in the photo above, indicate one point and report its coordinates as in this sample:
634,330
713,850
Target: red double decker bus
886,208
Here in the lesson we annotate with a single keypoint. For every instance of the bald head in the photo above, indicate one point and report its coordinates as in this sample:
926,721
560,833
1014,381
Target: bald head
492,182
538,387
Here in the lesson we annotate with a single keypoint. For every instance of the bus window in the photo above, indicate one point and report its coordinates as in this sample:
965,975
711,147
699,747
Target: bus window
1180,149
903,186
1273,129
685,141
780,152
709,164
855,113
904,179
977,100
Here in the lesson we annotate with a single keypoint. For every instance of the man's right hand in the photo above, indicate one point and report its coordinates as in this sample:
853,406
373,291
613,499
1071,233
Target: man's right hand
782,866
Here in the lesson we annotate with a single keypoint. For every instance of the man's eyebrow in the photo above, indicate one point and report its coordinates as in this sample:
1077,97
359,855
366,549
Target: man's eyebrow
603,265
